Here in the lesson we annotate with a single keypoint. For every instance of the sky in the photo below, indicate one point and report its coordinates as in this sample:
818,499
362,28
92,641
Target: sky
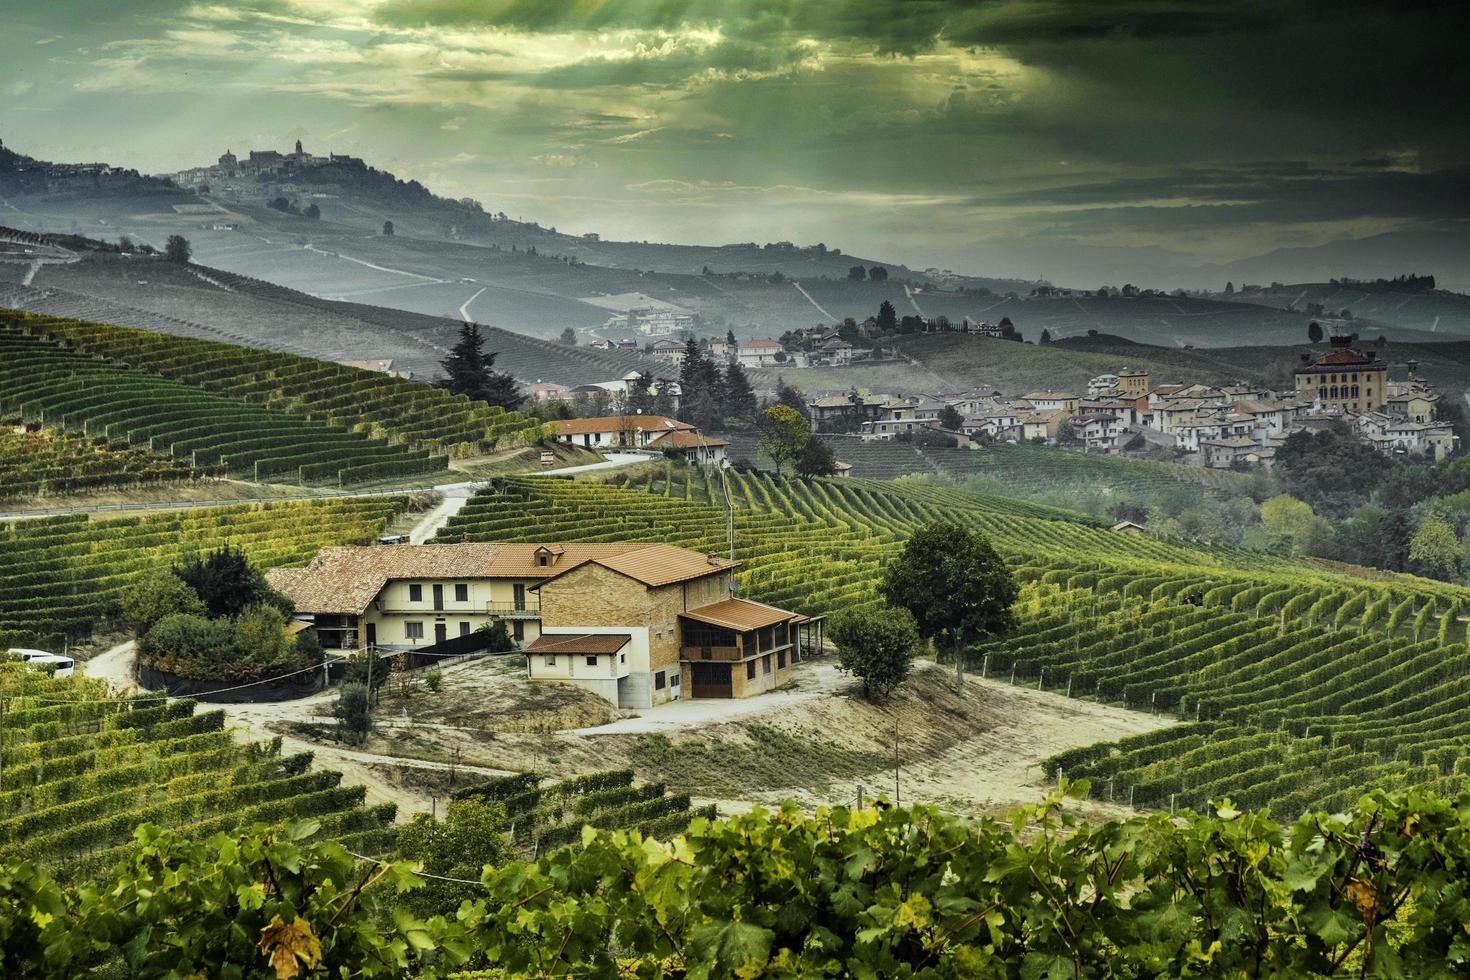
1040,138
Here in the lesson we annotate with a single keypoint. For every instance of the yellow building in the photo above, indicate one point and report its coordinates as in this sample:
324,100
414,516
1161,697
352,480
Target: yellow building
1132,384
1345,378
638,624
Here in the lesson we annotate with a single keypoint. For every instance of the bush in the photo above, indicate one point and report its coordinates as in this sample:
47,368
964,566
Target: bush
154,596
498,637
434,677
354,713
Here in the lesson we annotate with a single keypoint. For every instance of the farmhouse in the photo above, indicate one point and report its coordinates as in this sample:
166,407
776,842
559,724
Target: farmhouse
695,448
1053,401
636,623
401,597
613,431
656,622
758,353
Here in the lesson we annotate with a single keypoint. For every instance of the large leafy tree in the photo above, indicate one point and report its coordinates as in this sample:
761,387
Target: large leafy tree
957,587
781,433
227,583
876,646
177,249
816,458
155,595
469,371
1435,548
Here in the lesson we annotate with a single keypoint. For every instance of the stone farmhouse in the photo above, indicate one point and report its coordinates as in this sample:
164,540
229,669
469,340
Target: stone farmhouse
617,431
637,624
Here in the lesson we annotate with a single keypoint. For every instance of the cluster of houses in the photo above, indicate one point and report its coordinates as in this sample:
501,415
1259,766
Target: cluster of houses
637,624
1224,426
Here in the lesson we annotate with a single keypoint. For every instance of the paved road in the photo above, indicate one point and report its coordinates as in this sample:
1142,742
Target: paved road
448,490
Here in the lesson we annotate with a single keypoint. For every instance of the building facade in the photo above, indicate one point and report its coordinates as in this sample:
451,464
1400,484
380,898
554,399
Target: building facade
1345,378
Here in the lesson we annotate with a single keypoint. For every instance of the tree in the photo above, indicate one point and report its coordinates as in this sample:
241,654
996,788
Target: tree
387,227
875,646
787,394
878,274
1314,332
569,337
125,244
260,635
177,249
1045,336
1435,548
950,418
227,583
313,212
957,587
1230,289
154,595
640,394
887,317
730,338
816,459
857,273
354,712
740,404
663,398
469,371
471,836
781,433
1291,523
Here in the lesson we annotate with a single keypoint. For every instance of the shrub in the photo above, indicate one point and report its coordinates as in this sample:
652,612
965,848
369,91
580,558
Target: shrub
434,677
155,596
354,713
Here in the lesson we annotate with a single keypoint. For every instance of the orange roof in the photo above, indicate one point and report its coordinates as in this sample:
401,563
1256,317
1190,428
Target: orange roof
578,643
654,564
618,423
739,614
346,580
685,439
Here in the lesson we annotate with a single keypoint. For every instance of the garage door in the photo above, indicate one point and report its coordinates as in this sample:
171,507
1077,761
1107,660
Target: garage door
709,680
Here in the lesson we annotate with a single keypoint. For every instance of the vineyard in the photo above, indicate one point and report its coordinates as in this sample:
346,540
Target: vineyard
83,769
541,818
1027,471
1295,684
48,462
413,417
43,382
61,577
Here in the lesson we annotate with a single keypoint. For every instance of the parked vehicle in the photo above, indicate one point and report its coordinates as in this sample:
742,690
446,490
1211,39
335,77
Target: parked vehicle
65,666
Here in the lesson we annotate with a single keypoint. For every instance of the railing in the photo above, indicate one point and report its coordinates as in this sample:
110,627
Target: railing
710,653
528,608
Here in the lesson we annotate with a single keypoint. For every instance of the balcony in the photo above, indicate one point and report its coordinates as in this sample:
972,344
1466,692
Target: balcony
711,653
528,608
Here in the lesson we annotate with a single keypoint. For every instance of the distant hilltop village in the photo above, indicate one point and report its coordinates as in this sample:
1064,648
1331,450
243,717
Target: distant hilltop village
261,163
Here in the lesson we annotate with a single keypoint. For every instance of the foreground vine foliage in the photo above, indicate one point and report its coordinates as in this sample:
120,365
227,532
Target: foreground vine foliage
1381,892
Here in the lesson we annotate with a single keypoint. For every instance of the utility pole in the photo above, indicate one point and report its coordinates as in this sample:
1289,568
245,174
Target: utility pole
895,761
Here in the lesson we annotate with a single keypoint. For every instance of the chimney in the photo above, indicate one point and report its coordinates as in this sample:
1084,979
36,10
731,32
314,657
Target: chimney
713,558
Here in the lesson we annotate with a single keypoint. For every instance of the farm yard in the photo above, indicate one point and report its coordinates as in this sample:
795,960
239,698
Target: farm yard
1362,677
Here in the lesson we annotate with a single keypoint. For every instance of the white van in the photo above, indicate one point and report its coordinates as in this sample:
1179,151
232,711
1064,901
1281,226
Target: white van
64,665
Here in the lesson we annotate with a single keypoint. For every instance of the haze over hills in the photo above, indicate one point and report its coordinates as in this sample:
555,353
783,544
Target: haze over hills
456,259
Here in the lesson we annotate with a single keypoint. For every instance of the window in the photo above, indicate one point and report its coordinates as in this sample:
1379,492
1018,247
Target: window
781,659
415,592
414,631
622,658
592,660
750,670
543,560
766,664
464,629
461,592
518,630
551,660
658,681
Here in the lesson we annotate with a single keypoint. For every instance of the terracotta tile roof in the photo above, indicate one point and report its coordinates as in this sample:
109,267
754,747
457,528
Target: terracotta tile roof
739,614
760,343
618,423
684,439
578,643
652,564
346,580
1049,396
